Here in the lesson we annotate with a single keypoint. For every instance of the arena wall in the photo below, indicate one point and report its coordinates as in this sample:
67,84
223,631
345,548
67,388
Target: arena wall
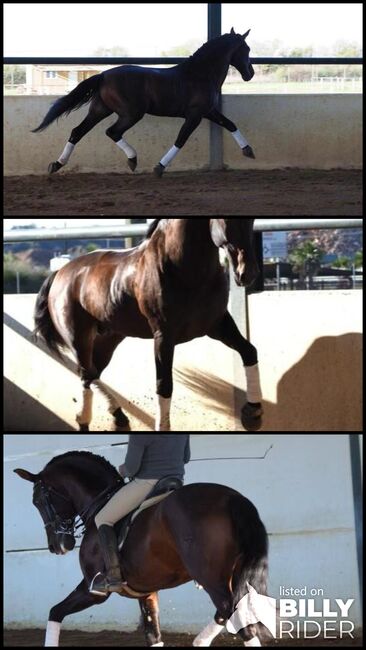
306,131
302,487
310,350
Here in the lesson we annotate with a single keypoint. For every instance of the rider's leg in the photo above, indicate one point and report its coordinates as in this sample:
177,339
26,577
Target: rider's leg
121,504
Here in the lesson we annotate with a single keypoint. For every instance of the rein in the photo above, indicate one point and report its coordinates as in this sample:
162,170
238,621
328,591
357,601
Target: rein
80,520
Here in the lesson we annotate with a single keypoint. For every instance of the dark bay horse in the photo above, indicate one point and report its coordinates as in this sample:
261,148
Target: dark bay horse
203,532
171,288
190,90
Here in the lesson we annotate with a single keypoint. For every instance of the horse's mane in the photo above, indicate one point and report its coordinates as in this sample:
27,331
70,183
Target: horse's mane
153,226
215,46
87,455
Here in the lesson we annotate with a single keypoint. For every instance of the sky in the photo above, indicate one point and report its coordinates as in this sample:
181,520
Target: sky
67,29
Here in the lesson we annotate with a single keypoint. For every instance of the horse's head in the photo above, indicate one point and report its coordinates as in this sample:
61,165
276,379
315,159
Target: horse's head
237,237
56,510
240,56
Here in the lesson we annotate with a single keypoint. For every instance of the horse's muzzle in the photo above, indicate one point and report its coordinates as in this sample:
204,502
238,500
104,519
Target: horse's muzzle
248,74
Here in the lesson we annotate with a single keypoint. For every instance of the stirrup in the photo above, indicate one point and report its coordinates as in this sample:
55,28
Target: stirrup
106,588
94,590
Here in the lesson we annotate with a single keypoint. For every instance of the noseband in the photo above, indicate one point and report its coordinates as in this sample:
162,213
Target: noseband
42,499
60,525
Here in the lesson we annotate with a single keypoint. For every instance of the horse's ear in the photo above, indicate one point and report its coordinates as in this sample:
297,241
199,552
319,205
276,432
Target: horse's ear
28,476
246,34
232,31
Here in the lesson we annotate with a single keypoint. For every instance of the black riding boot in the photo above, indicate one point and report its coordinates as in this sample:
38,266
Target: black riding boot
112,581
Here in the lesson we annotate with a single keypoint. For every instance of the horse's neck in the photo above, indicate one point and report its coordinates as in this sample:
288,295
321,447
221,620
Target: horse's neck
214,62
189,246
84,492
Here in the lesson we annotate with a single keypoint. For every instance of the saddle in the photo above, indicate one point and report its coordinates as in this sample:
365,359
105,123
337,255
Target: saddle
161,491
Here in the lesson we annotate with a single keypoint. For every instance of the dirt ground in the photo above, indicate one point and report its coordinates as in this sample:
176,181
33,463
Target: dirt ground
19,638
285,192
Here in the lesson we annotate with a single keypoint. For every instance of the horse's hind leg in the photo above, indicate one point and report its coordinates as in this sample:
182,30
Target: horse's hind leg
191,123
98,111
223,121
116,131
151,622
104,347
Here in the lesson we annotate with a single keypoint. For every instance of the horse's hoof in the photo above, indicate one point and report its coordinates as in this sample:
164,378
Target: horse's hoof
251,417
83,427
132,163
121,420
54,167
159,170
248,152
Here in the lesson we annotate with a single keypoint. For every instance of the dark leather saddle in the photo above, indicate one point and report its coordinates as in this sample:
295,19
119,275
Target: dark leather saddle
163,488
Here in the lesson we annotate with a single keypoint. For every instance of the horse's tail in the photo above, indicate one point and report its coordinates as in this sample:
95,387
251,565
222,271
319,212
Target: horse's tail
82,94
252,564
44,326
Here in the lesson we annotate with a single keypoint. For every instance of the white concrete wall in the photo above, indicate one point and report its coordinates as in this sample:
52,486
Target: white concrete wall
310,350
306,131
302,489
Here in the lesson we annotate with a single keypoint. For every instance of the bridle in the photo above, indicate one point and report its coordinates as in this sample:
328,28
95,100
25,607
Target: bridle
42,499
68,526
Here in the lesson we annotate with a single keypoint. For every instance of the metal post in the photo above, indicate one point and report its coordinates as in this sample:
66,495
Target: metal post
216,141
354,442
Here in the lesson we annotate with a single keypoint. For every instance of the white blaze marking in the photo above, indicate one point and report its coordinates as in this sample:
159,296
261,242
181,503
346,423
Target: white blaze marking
239,138
69,148
169,156
128,150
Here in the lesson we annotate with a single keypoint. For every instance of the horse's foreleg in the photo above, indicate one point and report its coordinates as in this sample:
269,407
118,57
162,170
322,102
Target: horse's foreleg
191,123
97,112
150,613
77,601
84,417
164,356
228,333
221,120
104,347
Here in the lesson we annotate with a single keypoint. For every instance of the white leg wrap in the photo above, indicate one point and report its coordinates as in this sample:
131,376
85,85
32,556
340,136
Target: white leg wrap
205,638
253,643
85,415
239,138
112,401
169,156
254,391
157,645
63,159
163,415
128,150
52,634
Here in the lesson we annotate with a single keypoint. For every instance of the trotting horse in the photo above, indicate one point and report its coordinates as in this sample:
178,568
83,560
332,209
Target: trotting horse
203,532
190,90
171,288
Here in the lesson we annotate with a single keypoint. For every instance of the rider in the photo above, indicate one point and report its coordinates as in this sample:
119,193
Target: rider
149,459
